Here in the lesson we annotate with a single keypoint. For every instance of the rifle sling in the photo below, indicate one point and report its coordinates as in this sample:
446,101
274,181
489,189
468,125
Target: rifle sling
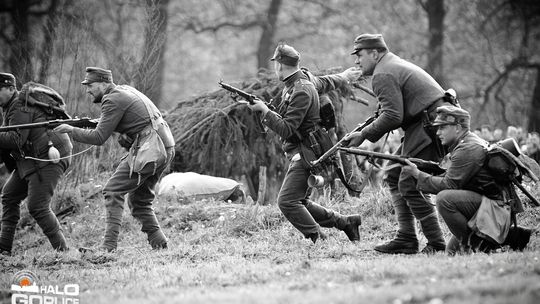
341,176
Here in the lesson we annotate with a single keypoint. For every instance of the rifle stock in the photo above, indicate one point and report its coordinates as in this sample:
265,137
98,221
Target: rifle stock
50,124
423,165
337,146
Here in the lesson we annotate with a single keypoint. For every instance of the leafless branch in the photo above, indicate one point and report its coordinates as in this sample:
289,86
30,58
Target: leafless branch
197,27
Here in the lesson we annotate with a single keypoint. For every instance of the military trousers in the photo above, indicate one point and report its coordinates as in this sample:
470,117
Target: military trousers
409,204
304,214
38,189
457,207
140,190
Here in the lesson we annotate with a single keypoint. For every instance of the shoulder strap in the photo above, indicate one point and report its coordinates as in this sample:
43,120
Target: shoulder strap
153,112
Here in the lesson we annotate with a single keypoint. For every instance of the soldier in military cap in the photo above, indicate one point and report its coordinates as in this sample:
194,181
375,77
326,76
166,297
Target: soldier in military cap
298,115
405,92
151,148
465,185
32,179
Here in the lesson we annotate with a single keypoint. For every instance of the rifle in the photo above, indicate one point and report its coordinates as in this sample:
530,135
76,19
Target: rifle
84,122
245,95
337,146
423,165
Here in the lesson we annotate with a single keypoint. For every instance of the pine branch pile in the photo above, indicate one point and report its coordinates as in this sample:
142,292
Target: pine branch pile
215,135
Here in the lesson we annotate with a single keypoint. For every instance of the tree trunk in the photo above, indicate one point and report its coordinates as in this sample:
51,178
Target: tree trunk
534,112
436,13
264,52
49,35
150,76
21,46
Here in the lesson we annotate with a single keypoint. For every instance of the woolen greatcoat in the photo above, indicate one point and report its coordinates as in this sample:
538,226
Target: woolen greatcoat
404,91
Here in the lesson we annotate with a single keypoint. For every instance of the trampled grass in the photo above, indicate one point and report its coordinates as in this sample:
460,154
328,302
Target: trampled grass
228,253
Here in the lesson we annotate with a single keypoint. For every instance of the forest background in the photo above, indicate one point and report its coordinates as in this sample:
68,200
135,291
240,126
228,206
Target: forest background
176,50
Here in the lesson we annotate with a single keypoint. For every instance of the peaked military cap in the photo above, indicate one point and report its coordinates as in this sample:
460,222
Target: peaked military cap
7,80
94,74
368,41
450,115
286,54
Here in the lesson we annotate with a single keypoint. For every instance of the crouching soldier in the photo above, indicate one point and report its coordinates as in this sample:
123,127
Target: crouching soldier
34,179
151,149
466,186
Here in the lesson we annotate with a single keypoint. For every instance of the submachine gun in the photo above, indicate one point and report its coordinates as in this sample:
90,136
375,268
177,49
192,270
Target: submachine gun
245,95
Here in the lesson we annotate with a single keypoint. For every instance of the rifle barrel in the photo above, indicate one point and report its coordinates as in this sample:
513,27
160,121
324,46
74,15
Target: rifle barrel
77,122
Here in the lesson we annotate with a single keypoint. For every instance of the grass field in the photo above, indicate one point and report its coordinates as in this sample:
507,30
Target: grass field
227,253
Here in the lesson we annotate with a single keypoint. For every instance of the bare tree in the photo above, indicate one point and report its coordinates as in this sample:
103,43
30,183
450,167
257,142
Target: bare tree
15,33
436,13
149,78
517,20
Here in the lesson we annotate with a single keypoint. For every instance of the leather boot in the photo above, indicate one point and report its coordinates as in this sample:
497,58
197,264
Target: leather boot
517,238
351,229
316,236
479,244
157,240
58,241
398,246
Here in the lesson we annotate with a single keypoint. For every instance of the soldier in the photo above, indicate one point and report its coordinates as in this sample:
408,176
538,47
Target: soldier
465,185
151,149
408,96
32,179
299,115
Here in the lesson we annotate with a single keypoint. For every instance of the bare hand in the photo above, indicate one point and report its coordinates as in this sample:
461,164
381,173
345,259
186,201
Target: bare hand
351,74
259,106
63,128
410,169
353,139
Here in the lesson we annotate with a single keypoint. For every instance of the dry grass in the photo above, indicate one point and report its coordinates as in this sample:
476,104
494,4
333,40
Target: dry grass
228,253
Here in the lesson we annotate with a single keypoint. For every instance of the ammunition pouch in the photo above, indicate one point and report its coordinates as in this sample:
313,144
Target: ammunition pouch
313,146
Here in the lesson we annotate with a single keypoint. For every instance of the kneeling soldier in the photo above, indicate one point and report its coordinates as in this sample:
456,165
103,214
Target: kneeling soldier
465,185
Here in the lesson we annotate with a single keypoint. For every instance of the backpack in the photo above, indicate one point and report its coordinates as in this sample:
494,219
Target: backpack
327,112
44,97
503,163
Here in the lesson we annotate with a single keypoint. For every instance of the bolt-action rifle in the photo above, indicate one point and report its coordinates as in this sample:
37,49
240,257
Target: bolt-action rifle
84,122
423,165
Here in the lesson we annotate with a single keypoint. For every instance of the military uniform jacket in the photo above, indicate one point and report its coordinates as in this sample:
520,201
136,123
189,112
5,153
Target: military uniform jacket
465,171
31,142
299,109
121,111
403,90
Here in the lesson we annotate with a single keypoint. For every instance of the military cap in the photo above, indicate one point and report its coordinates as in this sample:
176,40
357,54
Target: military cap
450,115
94,74
7,80
286,54
368,41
